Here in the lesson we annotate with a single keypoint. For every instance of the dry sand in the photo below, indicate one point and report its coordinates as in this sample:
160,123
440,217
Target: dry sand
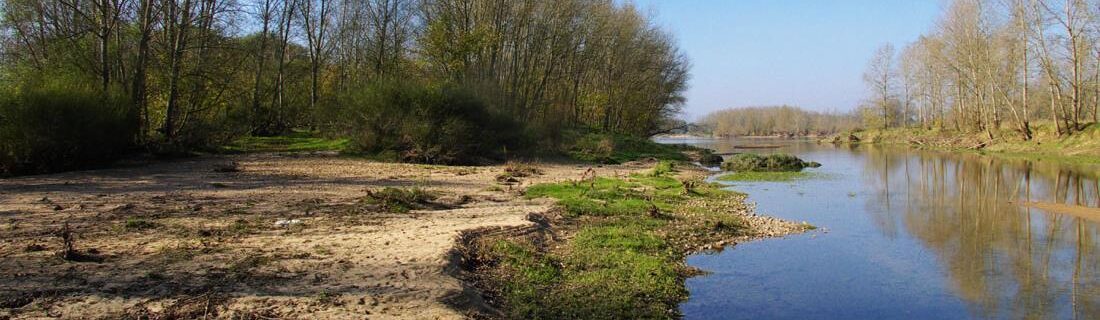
213,249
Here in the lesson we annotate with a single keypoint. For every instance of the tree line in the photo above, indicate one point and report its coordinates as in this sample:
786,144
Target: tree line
776,121
194,72
990,66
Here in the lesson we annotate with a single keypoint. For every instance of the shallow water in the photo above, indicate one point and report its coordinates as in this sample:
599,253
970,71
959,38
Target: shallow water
908,234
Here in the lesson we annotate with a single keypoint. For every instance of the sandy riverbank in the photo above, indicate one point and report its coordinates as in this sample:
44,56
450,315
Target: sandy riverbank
183,239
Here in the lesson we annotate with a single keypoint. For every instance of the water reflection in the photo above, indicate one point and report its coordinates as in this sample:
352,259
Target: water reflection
912,234
1004,259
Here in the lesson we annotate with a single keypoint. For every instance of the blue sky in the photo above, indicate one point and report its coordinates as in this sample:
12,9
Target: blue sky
808,53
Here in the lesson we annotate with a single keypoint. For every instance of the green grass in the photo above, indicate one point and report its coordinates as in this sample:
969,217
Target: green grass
611,270
298,141
662,168
777,176
624,258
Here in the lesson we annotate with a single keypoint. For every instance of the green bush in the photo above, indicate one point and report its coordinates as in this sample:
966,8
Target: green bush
772,162
422,124
62,123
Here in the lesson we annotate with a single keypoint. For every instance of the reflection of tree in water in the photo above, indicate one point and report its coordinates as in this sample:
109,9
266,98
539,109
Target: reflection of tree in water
879,163
1004,259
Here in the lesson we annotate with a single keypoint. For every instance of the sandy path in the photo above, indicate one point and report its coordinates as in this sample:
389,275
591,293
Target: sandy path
179,239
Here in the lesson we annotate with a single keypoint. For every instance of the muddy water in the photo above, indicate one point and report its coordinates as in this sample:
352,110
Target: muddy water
908,234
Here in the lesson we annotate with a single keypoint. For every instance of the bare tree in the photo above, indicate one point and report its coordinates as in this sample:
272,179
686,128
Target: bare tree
316,22
880,77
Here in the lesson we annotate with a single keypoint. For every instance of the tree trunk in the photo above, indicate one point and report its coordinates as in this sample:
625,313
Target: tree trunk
261,64
137,93
179,43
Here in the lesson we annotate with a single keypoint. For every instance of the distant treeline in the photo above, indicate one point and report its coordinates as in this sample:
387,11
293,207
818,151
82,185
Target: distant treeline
429,80
776,121
992,66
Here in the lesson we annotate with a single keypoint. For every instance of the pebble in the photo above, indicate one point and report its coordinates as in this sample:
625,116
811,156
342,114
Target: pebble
287,223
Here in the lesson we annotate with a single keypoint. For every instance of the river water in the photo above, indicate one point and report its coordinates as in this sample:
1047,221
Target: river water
908,234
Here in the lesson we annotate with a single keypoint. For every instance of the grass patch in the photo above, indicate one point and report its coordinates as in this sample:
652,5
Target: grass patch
625,256
776,176
298,141
662,168
136,224
766,163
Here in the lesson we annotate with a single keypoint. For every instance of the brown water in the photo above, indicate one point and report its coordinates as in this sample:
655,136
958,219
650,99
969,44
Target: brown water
911,234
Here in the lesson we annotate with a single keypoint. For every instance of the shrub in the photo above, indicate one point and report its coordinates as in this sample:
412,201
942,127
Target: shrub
771,162
423,124
709,159
397,200
662,168
62,123
513,170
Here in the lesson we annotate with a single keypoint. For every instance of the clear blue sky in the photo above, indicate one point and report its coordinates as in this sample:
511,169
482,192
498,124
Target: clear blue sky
808,53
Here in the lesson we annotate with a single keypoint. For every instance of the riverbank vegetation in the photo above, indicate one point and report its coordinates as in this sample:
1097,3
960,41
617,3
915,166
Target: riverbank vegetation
617,249
994,69
784,121
421,81
1082,146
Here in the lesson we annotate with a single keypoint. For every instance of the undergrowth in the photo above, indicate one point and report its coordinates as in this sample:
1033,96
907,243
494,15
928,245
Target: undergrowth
298,141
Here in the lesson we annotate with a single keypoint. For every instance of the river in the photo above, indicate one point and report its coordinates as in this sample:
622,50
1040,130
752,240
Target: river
910,234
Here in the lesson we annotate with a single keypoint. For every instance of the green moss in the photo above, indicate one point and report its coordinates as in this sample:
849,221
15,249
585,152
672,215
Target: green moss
780,176
299,141
624,258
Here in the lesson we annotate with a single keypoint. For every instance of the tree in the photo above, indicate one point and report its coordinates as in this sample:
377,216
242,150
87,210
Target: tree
880,77
316,16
